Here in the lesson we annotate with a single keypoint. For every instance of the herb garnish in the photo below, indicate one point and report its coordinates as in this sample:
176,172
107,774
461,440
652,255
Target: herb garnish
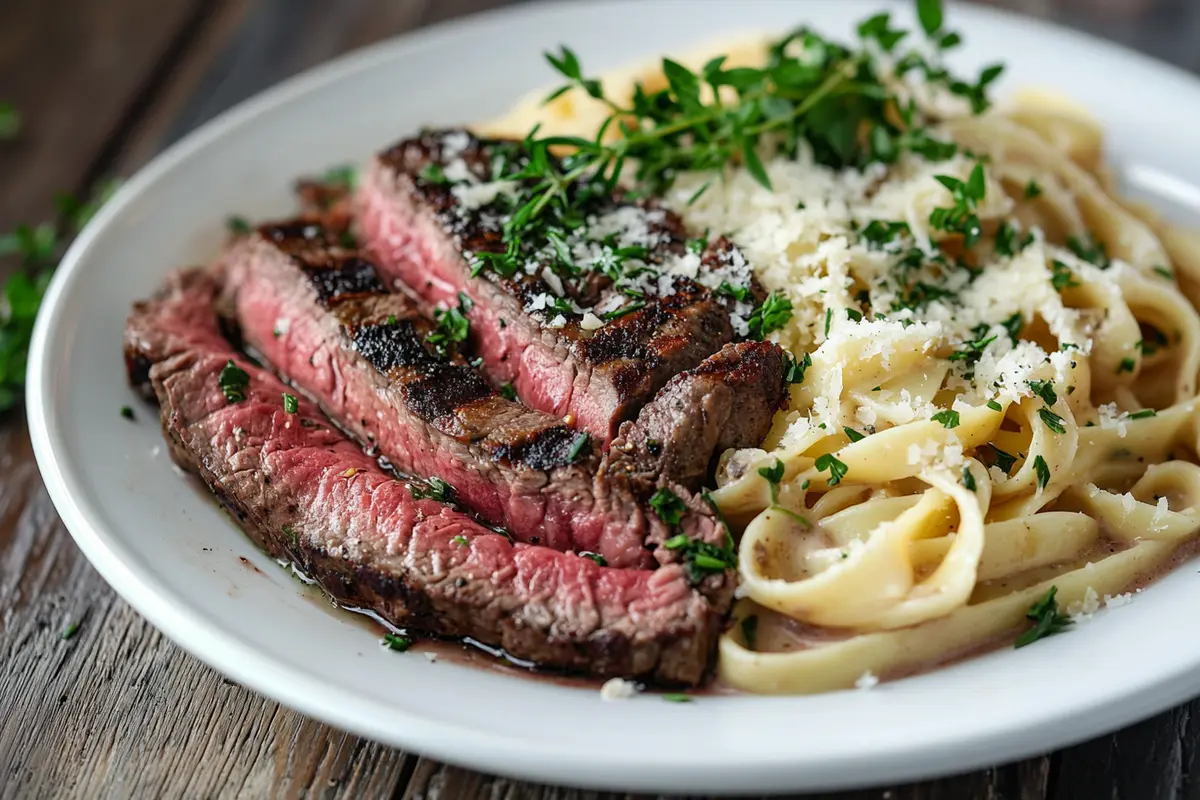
1061,276
453,326
397,642
290,403
1042,469
290,533
948,418
968,479
233,381
1053,421
853,435
702,558
837,469
794,368
127,413
668,505
1044,390
459,540
1089,249
750,632
676,697
582,444
772,315
508,391
1145,413
1033,189
598,559
69,631
434,489
961,217
1126,365
238,226
1047,621
773,475
994,406
1002,460
10,121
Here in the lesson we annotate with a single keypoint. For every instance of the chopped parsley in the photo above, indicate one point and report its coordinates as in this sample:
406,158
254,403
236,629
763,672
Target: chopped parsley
1061,276
1033,189
794,368
10,121
1164,272
459,540
434,488
1047,621
1145,413
581,445
948,418
452,326
127,413
598,559
1126,365
837,469
677,697
233,381
69,631
668,505
238,226
961,217
750,632
1044,390
508,391
1053,421
852,434
397,642
1042,470
1088,249
290,533
290,404
773,475
880,234
702,558
1002,460
772,315
968,479
994,406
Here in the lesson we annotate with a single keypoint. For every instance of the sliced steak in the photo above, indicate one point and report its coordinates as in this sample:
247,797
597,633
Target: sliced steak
319,314
589,311
728,401
305,492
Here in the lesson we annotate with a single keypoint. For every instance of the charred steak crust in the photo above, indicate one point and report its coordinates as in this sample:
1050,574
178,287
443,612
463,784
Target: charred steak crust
305,492
439,237
360,352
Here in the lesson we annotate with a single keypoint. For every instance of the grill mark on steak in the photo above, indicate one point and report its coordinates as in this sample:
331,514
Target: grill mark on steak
307,493
421,236
363,359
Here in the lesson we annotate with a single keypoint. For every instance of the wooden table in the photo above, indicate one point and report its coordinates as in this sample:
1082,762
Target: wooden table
117,710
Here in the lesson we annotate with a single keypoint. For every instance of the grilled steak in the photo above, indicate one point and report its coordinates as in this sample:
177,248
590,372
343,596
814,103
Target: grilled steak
305,492
320,316
589,310
728,401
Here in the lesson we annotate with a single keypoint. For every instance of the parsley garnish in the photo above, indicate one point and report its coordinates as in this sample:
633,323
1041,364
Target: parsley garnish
233,381
69,631
459,540
1002,460
598,559
837,469
968,479
434,488
1145,413
994,406
127,413
10,121
1033,189
1061,276
290,403
1088,249
238,226
290,533
702,558
452,327
668,505
880,234
1126,365
1046,619
582,444
1166,273
961,218
948,418
772,315
508,391
1053,421
852,434
1043,471
344,176
828,320
1044,390
676,697
750,631
794,369
773,475
397,642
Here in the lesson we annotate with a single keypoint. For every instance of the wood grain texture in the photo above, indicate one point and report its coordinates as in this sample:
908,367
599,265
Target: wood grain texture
119,711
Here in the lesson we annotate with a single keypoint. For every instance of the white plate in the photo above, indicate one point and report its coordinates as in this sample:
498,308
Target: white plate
168,550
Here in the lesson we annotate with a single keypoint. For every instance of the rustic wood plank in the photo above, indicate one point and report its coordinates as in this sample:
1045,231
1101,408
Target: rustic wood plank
75,69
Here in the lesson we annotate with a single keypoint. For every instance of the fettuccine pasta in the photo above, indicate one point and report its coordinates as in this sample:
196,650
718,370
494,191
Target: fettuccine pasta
978,429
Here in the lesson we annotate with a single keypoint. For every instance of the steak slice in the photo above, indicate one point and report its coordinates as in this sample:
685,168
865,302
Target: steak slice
588,312
728,401
318,313
305,492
